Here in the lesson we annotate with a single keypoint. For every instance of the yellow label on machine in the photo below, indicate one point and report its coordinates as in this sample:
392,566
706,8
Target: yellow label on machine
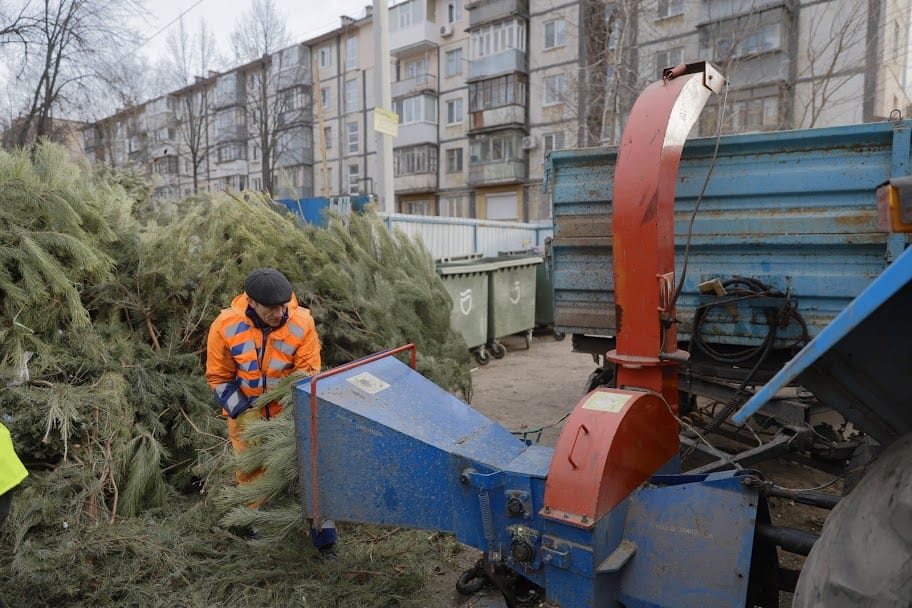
368,383
606,402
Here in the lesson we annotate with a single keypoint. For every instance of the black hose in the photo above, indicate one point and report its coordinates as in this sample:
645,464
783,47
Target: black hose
741,289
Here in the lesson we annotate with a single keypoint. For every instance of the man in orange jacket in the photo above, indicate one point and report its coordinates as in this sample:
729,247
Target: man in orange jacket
263,337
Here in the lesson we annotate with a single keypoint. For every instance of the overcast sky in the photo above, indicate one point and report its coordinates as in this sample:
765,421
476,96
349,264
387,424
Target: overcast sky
306,18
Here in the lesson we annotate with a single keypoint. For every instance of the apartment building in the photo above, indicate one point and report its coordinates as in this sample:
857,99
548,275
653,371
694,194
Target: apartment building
486,89
789,64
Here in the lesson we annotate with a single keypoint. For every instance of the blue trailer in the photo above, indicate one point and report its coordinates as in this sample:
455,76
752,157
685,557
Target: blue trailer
775,234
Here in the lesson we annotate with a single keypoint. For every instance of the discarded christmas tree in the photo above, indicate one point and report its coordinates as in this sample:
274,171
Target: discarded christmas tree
106,298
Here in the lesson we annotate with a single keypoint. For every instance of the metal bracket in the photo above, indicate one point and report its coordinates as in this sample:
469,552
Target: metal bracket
556,555
482,481
618,558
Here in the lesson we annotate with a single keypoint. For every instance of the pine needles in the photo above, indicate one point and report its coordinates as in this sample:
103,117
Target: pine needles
105,301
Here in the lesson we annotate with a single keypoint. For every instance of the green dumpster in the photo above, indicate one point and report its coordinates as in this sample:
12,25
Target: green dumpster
511,299
544,285
466,280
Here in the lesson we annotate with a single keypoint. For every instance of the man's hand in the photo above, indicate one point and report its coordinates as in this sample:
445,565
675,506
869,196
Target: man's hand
248,416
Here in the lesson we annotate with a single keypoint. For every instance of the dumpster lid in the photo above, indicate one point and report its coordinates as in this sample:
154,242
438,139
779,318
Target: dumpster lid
465,268
460,259
508,261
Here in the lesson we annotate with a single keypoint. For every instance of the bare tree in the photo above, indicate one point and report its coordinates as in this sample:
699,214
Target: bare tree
258,37
833,55
621,83
72,45
187,64
14,25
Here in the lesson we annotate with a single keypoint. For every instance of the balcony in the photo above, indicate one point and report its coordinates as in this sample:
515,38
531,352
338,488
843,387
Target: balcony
511,60
423,83
483,11
413,38
229,91
138,156
294,156
497,117
231,133
505,172
415,182
416,133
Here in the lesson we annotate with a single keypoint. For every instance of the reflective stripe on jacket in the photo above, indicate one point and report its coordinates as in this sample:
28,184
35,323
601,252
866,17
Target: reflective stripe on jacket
12,471
243,361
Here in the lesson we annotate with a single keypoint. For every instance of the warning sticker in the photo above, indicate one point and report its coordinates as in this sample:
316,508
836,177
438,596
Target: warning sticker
606,402
368,383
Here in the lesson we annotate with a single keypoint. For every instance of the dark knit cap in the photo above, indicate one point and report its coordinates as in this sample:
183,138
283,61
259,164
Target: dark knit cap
268,287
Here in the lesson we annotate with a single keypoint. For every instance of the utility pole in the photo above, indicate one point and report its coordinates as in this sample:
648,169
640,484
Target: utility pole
317,100
383,104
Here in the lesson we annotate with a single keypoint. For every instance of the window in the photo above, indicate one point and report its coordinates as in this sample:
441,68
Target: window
454,11
352,130
453,206
553,141
354,179
224,122
415,159
454,111
230,152
293,99
414,69
765,38
555,33
555,89
324,56
454,62
165,166
325,97
418,207
669,8
454,160
755,114
406,14
498,37
613,36
351,95
351,53
497,92
328,137
420,108
493,148
668,59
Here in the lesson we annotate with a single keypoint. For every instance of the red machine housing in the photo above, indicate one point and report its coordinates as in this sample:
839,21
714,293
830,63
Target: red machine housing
606,451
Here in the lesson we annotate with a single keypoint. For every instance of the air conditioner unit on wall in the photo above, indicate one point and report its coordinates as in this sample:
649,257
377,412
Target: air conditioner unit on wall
529,142
446,30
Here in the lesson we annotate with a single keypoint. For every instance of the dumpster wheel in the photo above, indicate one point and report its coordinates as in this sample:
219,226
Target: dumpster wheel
498,350
481,355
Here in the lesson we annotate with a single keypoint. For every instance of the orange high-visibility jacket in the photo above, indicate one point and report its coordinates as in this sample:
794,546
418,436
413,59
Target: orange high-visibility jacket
243,361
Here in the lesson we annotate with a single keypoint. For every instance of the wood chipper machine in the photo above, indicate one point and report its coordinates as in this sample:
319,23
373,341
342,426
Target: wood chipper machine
602,519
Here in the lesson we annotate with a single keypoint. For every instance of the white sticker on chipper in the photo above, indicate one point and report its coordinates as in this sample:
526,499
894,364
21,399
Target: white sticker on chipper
606,402
368,383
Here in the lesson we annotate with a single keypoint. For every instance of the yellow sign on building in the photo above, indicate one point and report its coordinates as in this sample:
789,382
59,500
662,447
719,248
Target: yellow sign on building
386,122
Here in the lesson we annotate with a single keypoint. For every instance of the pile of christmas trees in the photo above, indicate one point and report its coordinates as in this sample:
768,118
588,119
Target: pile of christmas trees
105,302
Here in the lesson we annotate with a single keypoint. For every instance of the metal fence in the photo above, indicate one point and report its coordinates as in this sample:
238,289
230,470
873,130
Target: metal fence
450,236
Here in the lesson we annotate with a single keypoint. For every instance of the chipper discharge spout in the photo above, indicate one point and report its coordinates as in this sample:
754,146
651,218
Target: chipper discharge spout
591,521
